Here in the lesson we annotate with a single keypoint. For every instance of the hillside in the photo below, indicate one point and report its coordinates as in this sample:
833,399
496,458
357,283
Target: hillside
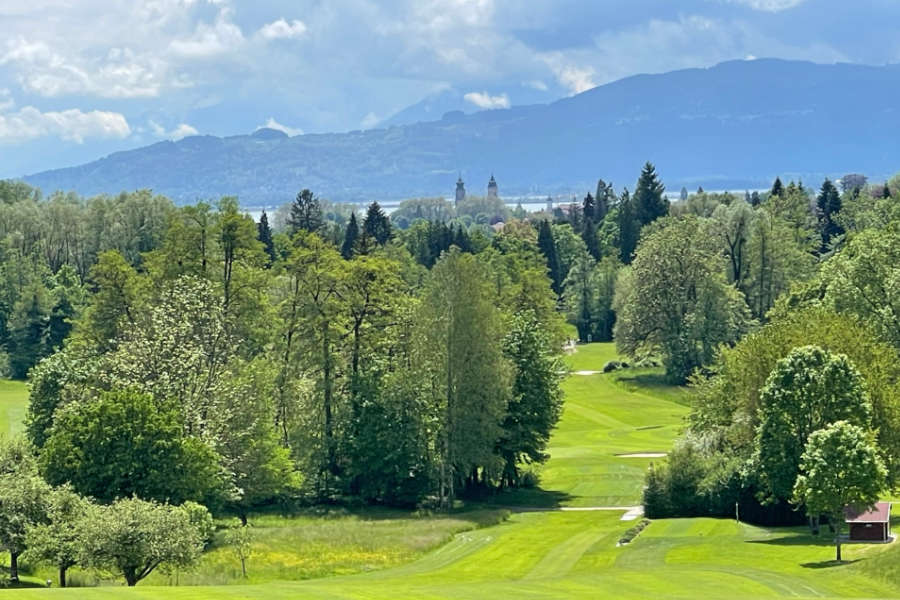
733,125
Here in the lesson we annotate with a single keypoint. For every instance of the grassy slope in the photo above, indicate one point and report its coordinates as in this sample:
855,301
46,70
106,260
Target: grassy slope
13,402
574,554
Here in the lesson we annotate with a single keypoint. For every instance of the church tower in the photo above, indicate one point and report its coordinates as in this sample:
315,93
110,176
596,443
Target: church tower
492,188
460,191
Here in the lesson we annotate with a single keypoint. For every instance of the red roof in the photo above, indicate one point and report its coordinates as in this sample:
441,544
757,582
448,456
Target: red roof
880,513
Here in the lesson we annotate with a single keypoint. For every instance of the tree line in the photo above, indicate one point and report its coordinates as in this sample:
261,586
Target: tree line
237,364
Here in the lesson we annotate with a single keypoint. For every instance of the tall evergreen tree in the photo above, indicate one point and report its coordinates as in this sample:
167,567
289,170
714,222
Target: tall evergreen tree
548,248
829,204
755,200
589,207
377,224
777,187
350,237
684,194
629,228
650,202
886,191
604,199
306,213
264,235
589,235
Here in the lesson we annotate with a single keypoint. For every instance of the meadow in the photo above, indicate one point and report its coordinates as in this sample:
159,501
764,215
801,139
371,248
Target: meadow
478,552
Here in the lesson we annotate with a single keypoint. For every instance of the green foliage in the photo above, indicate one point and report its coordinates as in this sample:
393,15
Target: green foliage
351,235
23,504
377,225
840,467
726,408
458,353
548,248
650,202
806,391
264,236
240,540
59,540
125,443
536,402
133,537
422,209
828,203
306,213
675,300
863,279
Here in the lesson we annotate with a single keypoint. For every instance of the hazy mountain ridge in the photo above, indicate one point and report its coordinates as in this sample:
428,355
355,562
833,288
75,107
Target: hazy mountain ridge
842,116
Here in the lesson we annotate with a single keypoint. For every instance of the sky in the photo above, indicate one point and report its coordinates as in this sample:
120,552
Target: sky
82,78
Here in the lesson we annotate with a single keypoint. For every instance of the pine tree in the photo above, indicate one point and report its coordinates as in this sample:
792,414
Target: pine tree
829,204
548,248
777,188
755,200
650,202
700,190
264,235
604,199
886,191
684,194
589,235
350,237
377,224
589,207
306,213
629,228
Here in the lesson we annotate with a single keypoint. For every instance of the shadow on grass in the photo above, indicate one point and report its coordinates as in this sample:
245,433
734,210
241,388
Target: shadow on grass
528,498
795,540
827,564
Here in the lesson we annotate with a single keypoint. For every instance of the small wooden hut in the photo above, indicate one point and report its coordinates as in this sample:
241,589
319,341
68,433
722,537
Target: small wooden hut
872,525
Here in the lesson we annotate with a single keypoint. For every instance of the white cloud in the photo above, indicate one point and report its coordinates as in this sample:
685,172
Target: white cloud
281,29
572,77
182,131
369,121
486,101
271,123
71,125
207,41
769,5
119,74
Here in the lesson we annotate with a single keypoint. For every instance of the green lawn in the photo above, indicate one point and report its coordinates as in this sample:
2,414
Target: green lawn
548,554
13,402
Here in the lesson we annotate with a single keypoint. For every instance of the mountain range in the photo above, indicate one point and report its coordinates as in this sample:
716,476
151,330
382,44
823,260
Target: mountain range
735,125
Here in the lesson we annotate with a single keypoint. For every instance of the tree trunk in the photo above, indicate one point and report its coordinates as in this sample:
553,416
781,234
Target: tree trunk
242,515
244,566
62,576
130,577
14,567
837,539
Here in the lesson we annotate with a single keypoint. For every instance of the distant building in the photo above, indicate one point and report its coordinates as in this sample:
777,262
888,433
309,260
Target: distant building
492,189
460,191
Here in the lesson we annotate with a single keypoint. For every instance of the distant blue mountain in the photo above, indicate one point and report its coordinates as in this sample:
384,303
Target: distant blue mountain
735,125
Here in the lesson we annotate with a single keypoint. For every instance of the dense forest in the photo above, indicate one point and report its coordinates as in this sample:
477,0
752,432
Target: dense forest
186,359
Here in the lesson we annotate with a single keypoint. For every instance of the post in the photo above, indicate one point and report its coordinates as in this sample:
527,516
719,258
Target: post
737,513
837,540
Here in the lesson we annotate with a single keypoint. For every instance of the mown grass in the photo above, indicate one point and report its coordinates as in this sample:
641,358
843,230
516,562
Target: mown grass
551,554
